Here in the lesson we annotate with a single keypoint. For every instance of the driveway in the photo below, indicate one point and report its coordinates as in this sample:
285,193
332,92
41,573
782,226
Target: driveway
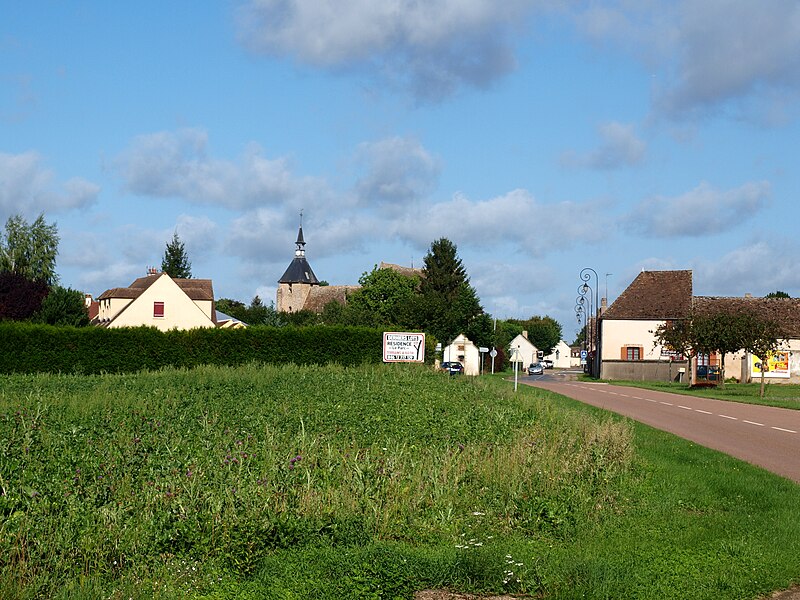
761,435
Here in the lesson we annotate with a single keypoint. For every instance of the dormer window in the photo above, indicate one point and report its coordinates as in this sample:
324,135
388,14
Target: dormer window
158,310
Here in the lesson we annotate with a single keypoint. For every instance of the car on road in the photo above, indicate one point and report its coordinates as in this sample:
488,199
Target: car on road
536,369
547,363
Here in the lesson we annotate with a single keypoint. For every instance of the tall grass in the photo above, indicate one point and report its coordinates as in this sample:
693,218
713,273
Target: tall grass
134,482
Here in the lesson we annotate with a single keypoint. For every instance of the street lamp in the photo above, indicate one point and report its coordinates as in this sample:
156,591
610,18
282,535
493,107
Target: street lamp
586,276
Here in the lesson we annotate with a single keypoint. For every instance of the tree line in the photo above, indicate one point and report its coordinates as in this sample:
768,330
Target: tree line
29,284
440,301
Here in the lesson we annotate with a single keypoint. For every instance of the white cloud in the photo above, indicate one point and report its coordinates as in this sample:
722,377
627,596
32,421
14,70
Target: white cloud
433,47
28,188
707,54
515,218
758,268
620,147
199,235
702,211
178,165
397,170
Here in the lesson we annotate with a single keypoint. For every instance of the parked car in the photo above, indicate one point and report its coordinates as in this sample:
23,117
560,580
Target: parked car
536,369
547,363
454,368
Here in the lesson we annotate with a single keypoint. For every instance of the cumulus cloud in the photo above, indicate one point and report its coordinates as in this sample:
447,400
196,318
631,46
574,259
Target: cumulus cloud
396,171
433,47
199,235
709,53
178,165
759,267
515,218
620,147
28,188
704,210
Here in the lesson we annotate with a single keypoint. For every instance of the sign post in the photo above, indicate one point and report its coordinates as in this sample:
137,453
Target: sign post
483,351
403,347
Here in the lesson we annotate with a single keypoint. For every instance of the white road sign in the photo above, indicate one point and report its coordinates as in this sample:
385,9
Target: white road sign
403,347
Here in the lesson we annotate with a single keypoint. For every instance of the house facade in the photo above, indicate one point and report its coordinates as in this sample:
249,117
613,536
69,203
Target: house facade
562,356
522,351
630,350
463,350
159,301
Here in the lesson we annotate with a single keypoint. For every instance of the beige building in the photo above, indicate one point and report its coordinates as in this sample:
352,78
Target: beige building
462,350
562,356
629,348
521,350
158,301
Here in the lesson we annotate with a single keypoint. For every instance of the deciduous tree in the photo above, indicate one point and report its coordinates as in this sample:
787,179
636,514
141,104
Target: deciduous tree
30,250
63,307
20,297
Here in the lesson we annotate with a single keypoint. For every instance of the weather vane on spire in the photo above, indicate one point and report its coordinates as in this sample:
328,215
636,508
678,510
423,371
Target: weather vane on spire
301,217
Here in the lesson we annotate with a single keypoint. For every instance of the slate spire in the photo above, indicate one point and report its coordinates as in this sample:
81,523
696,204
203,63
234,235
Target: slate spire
299,271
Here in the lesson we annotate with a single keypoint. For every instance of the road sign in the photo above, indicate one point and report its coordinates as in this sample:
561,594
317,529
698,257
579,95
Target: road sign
482,349
403,347
584,354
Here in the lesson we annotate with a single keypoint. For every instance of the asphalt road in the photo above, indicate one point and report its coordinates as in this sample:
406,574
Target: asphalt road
761,435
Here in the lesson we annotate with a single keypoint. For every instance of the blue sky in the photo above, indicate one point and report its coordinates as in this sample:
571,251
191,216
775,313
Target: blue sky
541,137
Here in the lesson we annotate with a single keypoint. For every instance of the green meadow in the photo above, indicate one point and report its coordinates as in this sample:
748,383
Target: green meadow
367,482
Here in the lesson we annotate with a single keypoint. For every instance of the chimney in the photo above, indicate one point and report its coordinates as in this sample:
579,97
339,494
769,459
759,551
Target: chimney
603,305
525,334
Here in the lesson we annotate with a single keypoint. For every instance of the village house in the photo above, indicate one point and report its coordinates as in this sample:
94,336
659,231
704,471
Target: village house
629,348
157,300
522,351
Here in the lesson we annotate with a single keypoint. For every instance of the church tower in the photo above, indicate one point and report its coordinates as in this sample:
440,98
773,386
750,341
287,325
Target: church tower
296,283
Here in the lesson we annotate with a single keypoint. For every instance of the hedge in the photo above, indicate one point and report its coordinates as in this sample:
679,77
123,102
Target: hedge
29,348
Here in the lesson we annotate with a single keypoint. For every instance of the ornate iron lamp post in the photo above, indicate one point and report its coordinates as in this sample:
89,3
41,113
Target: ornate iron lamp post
594,348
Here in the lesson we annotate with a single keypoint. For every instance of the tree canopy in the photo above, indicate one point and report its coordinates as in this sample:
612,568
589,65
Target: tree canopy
257,313
63,306
30,250
447,304
543,332
384,297
723,332
20,297
175,262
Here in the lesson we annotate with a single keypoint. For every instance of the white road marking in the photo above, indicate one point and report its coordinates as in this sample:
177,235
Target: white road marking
704,412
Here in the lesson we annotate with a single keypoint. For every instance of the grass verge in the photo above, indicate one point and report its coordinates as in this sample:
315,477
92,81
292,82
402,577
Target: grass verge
370,482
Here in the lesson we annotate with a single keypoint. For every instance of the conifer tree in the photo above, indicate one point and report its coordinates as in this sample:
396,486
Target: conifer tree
176,262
